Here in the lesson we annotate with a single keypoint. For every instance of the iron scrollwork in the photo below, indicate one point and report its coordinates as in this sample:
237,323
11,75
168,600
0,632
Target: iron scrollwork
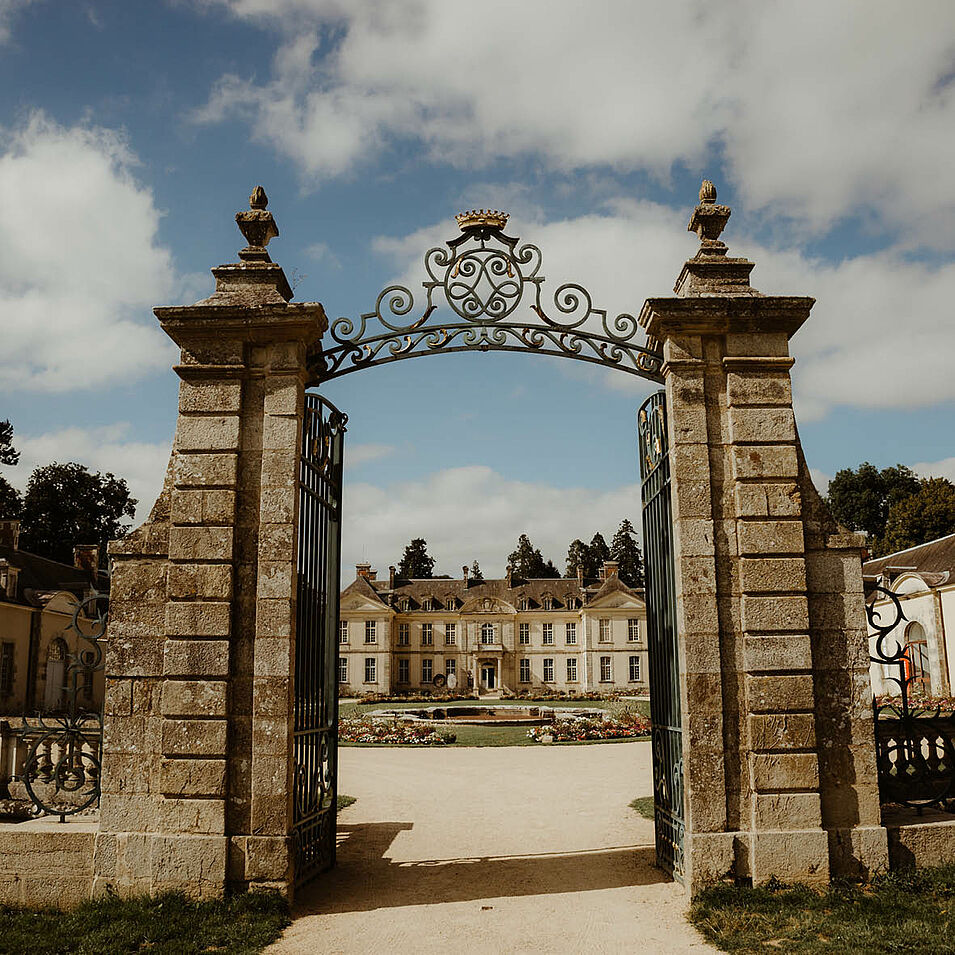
914,743
61,771
483,276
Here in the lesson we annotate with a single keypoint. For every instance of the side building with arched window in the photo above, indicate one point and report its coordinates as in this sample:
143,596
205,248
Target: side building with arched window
508,635
923,578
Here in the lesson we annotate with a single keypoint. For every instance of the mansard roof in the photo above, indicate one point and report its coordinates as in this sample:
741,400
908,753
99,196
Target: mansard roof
934,562
41,577
362,587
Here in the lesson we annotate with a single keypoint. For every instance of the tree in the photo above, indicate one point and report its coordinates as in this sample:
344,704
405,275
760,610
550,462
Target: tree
11,503
476,571
528,563
597,553
8,454
65,505
576,557
416,563
626,551
861,498
927,514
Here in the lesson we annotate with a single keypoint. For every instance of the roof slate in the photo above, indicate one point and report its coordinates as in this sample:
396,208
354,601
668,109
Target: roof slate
39,575
935,557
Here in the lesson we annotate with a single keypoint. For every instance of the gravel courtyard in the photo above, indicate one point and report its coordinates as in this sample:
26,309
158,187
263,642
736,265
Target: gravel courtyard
493,850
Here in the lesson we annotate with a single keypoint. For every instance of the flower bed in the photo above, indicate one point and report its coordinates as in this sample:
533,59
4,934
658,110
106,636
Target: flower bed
412,697
388,732
923,705
575,731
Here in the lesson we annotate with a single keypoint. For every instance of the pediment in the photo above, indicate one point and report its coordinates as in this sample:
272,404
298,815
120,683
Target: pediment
353,602
487,605
618,600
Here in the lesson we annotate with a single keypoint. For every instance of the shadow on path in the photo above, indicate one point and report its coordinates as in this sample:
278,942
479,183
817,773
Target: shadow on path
364,879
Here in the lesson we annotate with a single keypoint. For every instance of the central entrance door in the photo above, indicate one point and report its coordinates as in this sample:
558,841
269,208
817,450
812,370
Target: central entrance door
488,673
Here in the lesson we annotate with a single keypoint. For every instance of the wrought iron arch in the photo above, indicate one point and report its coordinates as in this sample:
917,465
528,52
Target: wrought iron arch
483,276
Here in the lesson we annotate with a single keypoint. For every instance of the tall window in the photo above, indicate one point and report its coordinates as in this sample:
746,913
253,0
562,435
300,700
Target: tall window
524,604
371,631
548,669
548,633
523,633
450,634
605,631
548,603
525,670
634,669
450,667
427,634
487,633
451,603
570,632
571,669
427,671
343,632
606,670
343,669
428,604
371,670
404,671
403,635
633,630
916,656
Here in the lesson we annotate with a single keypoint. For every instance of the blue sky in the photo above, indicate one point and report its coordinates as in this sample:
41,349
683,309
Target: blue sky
131,132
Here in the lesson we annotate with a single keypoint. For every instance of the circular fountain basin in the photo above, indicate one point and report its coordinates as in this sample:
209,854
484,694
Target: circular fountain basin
503,714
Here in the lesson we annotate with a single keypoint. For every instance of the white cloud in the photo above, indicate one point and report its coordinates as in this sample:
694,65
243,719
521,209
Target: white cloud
107,448
7,10
360,454
473,513
944,468
821,480
80,267
821,110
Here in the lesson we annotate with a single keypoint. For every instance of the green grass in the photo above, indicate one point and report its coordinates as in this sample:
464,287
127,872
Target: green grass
895,913
345,801
168,925
644,806
491,735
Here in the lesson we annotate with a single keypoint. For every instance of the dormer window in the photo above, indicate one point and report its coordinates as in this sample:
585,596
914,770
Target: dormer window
524,604
451,603
572,603
404,604
548,603
428,604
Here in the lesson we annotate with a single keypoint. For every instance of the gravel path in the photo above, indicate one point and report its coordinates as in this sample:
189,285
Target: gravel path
493,850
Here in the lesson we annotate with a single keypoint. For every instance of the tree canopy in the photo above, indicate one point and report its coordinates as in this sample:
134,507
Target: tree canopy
528,563
860,498
626,552
577,559
927,514
8,453
66,504
476,571
10,501
416,563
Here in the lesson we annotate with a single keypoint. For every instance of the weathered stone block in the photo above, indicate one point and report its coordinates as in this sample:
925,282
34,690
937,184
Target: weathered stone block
280,467
761,425
777,612
272,697
207,433
194,863
691,499
791,652
780,694
200,581
796,856
277,505
276,579
693,537
193,698
782,731
786,811
772,574
764,461
200,543
205,470
768,500
195,506
283,396
196,658
193,777
280,432
762,344
192,816
198,618
194,737
273,656
770,537
276,542
268,857
274,618
759,389
210,396
777,772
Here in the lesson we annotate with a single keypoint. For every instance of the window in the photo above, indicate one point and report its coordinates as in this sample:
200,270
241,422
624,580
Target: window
571,669
428,604
606,670
403,634
525,670
605,636
570,632
343,669
450,634
343,632
916,656
548,603
427,671
633,630
634,669
6,668
404,604
371,670
524,604
572,603
451,603
524,633
371,631
450,667
487,633
548,669
404,671
548,633
427,634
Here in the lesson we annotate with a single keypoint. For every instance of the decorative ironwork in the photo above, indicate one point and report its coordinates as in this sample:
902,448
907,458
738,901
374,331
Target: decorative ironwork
61,772
915,744
662,643
483,276
315,746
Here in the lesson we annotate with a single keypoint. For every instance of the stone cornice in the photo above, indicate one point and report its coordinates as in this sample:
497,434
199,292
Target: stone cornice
724,314
187,324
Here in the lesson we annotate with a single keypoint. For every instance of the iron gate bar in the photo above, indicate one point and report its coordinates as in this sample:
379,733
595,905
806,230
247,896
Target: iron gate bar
482,276
662,643
315,736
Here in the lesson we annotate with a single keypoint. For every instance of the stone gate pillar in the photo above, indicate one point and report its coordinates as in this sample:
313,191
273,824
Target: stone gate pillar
779,752
197,735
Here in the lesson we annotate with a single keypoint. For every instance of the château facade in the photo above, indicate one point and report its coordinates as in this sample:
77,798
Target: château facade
567,634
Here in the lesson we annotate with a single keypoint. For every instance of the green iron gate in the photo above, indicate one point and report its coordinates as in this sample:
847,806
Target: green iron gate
662,644
315,748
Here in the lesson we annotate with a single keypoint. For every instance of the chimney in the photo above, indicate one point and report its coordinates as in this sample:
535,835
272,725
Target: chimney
580,575
610,568
391,577
86,557
510,578
10,533
464,570
364,570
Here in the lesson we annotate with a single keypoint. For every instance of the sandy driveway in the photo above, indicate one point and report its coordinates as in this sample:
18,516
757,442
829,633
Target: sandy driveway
493,850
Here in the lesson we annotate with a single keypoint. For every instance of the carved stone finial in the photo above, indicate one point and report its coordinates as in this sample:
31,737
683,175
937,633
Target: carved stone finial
259,200
257,225
709,220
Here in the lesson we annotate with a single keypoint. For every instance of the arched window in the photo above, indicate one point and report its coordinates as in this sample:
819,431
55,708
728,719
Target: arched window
54,695
916,658
487,633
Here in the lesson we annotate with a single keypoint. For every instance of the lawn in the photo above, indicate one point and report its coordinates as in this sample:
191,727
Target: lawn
490,735
895,913
168,925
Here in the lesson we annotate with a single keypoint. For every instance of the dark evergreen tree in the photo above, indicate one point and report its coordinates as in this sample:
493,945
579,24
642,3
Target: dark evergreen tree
625,550
576,557
8,454
65,505
597,553
476,572
528,563
416,563
11,503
